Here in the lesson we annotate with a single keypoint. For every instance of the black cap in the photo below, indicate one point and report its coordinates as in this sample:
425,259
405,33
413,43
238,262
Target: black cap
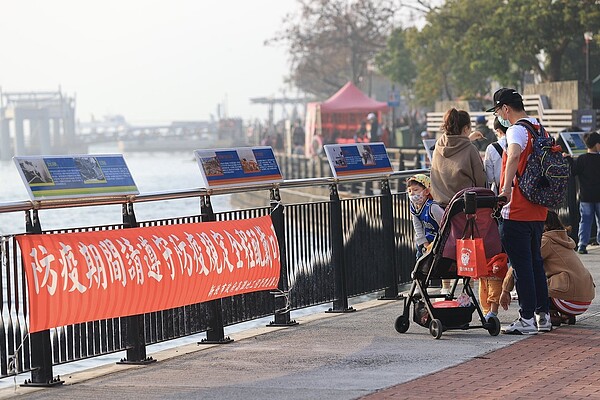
505,96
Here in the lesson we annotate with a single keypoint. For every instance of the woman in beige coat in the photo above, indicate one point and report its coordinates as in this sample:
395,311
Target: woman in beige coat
571,287
456,162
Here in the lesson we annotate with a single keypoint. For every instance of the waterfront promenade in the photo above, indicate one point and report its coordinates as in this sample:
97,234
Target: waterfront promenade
359,355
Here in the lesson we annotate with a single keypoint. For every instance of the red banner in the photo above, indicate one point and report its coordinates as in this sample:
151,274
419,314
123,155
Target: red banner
79,277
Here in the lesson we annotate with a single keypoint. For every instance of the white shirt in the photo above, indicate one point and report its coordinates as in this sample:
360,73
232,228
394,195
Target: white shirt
518,134
492,163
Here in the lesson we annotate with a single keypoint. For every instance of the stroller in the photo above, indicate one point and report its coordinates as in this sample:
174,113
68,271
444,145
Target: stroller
440,263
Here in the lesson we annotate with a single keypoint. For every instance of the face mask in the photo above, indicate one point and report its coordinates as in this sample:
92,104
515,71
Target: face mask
504,122
417,199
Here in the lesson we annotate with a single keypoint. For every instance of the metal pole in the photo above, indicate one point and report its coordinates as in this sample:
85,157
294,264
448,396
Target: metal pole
215,332
587,74
282,307
41,346
387,219
588,87
340,303
134,324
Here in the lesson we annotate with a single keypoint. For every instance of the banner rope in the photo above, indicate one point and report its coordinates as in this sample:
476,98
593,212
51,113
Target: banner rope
279,204
13,364
286,294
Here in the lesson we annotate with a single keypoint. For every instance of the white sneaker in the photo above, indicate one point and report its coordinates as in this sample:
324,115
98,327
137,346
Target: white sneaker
543,322
521,326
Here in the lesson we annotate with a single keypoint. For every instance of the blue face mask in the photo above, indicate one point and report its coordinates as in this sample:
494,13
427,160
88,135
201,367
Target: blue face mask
504,122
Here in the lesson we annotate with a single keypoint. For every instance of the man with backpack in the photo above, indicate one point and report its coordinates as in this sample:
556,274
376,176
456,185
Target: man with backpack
523,220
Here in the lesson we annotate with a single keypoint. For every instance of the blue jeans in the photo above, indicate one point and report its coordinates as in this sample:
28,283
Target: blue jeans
587,211
522,241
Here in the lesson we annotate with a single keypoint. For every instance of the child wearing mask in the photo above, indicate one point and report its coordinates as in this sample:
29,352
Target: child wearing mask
426,216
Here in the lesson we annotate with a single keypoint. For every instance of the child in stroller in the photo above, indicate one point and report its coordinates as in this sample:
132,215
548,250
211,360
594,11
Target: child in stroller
453,312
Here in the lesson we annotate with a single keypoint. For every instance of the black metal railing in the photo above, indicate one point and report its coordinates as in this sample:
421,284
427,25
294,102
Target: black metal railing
333,249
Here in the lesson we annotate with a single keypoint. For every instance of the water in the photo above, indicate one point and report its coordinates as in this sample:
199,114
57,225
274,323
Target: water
152,172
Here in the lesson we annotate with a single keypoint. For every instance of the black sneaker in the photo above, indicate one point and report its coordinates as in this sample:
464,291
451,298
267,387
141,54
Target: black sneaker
582,250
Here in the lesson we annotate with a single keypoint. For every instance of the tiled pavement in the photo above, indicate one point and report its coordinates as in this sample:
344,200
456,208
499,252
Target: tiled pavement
563,364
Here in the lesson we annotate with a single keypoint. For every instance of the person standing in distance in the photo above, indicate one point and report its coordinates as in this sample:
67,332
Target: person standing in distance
374,131
585,168
521,231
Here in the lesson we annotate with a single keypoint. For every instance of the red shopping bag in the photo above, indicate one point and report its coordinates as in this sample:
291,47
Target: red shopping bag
470,258
470,253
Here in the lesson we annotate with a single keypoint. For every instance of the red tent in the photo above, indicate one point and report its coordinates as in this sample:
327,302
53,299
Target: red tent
338,118
350,99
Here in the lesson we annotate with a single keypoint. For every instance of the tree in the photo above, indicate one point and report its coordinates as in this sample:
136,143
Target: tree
464,45
542,30
331,42
448,69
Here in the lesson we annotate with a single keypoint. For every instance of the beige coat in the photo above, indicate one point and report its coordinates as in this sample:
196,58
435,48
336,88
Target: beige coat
568,279
456,165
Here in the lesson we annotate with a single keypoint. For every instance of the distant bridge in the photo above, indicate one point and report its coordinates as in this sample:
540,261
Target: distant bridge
40,122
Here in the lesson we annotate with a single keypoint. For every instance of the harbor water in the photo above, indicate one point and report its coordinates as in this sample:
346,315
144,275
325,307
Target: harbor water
152,172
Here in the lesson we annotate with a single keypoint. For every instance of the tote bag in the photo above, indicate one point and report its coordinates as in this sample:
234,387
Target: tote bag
470,254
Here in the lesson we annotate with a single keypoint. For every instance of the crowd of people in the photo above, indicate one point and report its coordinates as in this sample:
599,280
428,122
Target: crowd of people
550,288
531,234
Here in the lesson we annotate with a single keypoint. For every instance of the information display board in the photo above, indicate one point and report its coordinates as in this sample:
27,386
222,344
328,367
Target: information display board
358,159
574,142
238,166
58,177
429,145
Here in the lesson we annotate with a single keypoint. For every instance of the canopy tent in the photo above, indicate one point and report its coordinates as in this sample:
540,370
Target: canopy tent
338,118
350,99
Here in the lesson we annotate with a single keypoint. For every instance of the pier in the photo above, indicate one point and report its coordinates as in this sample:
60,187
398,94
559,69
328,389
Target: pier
40,122
334,252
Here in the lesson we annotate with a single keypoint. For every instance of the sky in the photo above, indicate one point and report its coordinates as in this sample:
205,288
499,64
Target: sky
152,61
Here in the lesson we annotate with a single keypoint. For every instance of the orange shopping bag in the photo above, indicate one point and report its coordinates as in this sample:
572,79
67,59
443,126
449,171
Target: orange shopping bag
470,253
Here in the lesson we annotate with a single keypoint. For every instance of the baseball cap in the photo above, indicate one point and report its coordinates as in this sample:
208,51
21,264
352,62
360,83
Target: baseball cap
371,116
505,96
420,178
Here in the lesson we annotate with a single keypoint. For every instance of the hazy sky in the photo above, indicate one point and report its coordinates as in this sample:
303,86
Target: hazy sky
149,60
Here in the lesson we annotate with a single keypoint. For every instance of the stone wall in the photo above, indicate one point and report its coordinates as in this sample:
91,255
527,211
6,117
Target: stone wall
564,95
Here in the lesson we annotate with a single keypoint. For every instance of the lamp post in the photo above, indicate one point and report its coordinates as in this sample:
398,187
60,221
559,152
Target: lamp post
588,38
370,69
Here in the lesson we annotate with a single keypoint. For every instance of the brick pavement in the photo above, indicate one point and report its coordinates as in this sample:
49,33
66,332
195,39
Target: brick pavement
562,364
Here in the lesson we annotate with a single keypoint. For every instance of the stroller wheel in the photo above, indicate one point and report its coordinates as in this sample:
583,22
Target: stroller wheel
436,328
493,326
402,324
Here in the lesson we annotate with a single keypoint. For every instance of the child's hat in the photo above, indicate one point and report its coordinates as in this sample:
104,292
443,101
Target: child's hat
420,178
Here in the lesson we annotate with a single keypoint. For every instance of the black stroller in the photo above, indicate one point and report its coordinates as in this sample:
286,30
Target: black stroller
440,263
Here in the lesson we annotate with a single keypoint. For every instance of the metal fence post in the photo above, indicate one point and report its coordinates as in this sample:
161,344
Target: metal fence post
135,326
340,302
215,333
282,304
41,347
387,220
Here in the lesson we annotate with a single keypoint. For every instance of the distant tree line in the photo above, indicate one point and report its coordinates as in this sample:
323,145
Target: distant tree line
463,49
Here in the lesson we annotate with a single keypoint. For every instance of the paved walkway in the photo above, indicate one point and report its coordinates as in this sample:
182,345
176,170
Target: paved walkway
563,364
359,355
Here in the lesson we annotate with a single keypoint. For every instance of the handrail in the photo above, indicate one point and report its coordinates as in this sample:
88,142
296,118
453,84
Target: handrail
28,205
